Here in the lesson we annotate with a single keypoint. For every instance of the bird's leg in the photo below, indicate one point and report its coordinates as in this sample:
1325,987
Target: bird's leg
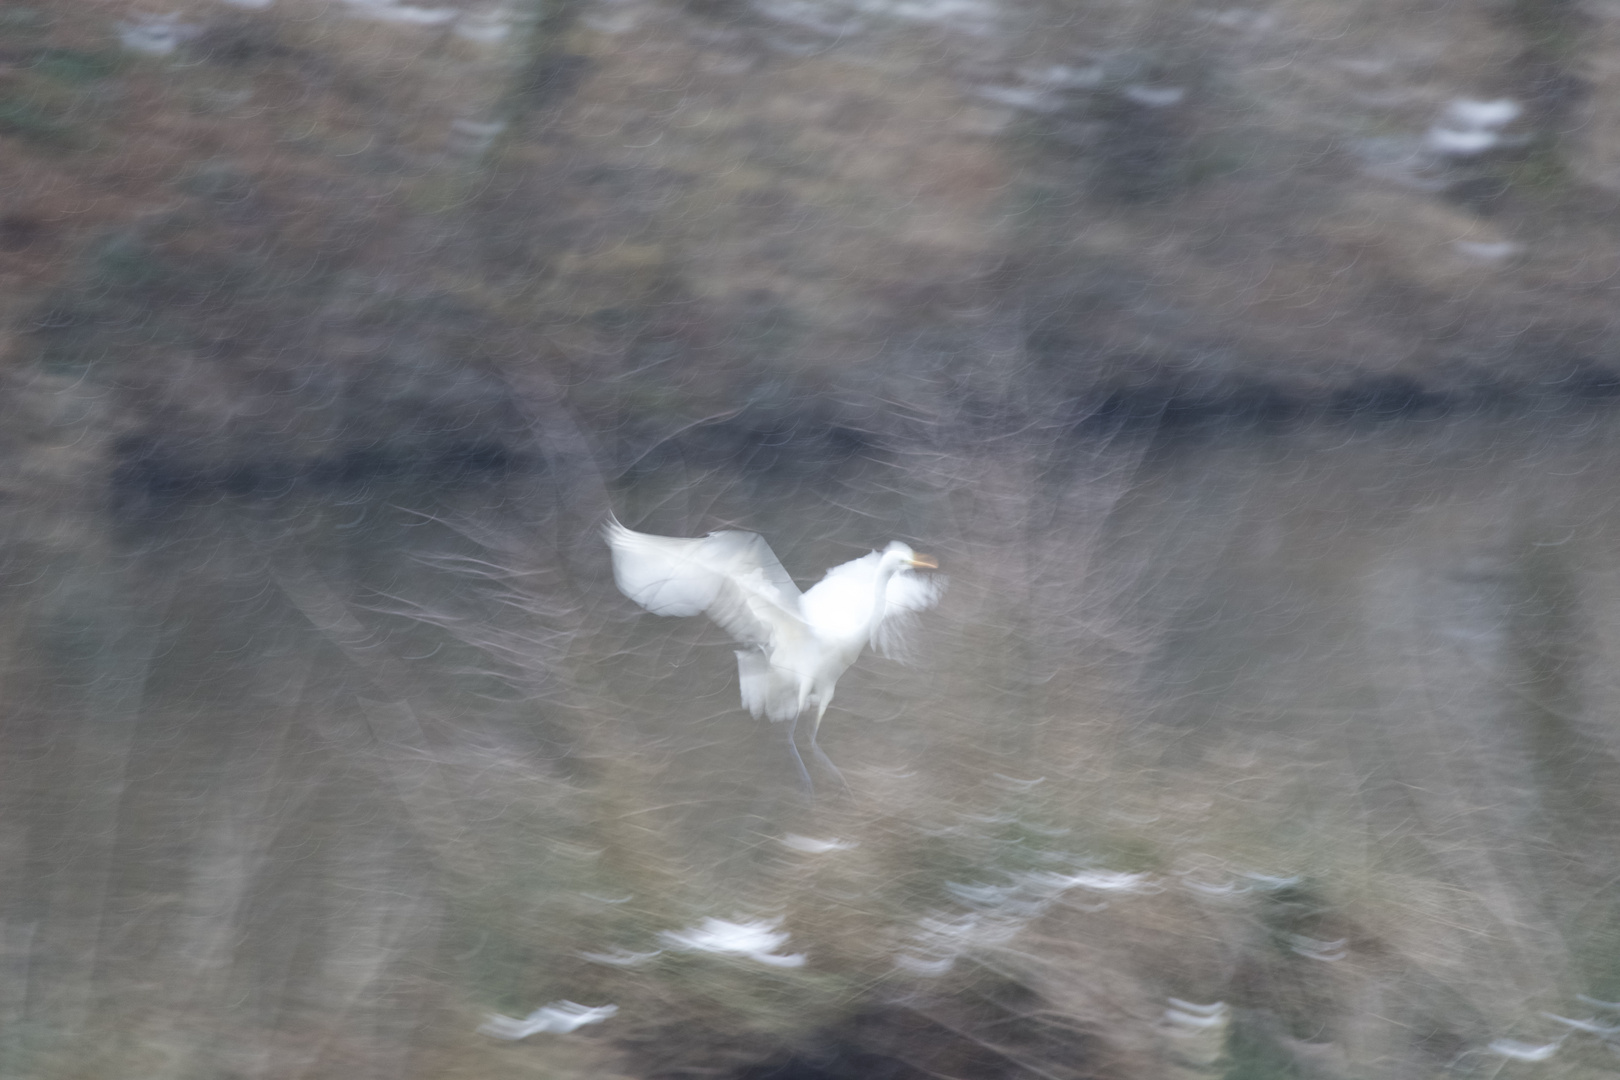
821,710
804,773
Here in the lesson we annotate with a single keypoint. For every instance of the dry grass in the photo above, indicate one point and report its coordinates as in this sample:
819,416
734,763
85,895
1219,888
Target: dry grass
298,783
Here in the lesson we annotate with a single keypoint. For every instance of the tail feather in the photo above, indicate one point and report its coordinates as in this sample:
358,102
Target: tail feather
767,692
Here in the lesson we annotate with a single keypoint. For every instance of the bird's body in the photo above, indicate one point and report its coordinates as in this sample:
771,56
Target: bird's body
796,644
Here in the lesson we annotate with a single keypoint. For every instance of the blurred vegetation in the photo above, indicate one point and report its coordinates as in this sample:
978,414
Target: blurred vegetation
1263,442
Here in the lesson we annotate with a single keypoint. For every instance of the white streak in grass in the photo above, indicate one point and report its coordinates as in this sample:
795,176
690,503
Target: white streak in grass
477,129
156,35
1060,77
389,11
474,137
1155,97
846,19
1002,911
1271,882
1487,251
1105,881
1470,127
1605,1031
1312,949
811,846
1037,101
484,27
757,940
1454,143
1468,112
928,968
558,1018
1192,1017
621,957
1523,1051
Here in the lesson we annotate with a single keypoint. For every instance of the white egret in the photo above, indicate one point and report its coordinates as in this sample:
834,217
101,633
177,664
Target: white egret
798,644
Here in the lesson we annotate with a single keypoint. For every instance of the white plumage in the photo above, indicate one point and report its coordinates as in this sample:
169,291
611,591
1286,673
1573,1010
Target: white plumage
798,644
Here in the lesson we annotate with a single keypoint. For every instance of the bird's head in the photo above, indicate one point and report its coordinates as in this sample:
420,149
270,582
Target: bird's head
900,556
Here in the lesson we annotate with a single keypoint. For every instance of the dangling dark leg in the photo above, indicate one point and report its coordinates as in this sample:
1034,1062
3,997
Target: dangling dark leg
804,773
821,710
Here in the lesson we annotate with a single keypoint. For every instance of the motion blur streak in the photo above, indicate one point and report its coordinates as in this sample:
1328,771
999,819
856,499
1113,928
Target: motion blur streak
1250,371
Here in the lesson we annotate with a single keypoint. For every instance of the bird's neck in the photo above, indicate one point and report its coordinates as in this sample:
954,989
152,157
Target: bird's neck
880,600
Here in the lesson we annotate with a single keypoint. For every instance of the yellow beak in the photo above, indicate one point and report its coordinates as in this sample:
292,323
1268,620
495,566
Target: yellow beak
927,562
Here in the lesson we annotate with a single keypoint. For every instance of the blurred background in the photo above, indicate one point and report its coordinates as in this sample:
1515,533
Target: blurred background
1250,370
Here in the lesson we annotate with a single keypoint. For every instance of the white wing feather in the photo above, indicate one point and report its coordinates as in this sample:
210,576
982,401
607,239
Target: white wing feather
765,691
908,594
733,577
840,604
798,641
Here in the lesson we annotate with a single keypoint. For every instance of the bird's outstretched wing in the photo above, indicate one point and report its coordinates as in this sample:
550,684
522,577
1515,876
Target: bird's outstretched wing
840,604
731,576
908,594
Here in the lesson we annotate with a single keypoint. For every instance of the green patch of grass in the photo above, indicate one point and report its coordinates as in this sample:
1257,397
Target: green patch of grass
39,111
24,1045
1211,159
76,65
1254,1055
25,120
16,19
1553,27
140,272
1541,172
1128,852
124,262
1595,941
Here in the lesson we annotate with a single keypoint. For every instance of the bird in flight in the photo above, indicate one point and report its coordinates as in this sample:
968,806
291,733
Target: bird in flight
796,645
